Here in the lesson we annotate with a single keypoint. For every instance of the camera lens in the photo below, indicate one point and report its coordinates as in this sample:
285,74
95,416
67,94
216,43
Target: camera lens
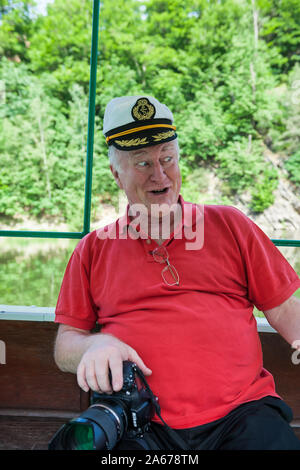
99,427
80,436
109,417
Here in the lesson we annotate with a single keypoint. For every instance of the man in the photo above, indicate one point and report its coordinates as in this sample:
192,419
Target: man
173,287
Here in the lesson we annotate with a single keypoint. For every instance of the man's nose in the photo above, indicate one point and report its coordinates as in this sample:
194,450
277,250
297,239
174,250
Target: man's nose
158,173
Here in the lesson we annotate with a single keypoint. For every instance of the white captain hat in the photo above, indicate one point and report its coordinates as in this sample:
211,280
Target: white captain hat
134,122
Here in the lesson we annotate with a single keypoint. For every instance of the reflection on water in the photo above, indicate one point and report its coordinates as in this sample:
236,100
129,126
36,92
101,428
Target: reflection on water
32,269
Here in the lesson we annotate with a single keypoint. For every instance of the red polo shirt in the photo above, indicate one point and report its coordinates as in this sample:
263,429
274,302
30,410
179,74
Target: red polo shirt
199,337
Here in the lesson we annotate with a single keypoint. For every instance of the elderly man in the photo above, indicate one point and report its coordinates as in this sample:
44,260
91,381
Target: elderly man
173,286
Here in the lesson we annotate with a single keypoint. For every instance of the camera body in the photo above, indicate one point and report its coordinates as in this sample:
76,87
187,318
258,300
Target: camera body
133,397
110,417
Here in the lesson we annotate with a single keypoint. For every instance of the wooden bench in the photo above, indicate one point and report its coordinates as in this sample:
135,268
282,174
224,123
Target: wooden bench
36,398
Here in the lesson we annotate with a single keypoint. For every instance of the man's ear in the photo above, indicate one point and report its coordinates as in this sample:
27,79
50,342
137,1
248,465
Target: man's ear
116,176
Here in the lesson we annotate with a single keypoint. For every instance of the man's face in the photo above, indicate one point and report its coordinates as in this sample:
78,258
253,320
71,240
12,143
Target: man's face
151,175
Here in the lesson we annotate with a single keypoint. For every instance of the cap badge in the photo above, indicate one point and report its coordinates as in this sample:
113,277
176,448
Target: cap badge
143,110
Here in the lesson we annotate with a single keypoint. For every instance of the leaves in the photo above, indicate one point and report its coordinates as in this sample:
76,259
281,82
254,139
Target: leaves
227,69
292,165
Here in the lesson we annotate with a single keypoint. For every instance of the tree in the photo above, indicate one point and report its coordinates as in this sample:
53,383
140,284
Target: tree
214,63
281,31
61,45
16,29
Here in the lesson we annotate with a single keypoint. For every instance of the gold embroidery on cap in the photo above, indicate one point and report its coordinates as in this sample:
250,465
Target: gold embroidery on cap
132,142
143,110
136,129
163,135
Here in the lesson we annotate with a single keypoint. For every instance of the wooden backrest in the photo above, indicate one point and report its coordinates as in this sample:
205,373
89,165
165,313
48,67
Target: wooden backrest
35,394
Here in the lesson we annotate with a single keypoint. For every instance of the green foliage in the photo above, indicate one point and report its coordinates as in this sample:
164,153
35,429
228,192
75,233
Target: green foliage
16,28
242,167
240,163
281,31
194,185
263,193
202,126
227,69
286,136
292,165
61,44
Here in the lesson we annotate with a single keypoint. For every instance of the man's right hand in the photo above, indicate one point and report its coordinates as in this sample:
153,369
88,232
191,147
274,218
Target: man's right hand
106,354
92,356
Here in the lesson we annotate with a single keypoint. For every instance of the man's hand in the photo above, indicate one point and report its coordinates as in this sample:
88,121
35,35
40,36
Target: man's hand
106,354
92,356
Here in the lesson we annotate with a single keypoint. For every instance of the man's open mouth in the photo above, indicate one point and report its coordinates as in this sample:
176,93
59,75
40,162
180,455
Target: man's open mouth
159,191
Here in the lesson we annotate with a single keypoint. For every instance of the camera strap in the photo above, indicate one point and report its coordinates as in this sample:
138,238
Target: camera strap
173,435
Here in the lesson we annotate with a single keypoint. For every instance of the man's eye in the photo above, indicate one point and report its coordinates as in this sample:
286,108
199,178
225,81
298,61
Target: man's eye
142,164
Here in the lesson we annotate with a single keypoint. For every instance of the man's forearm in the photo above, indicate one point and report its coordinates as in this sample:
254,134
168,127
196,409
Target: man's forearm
92,356
70,346
286,319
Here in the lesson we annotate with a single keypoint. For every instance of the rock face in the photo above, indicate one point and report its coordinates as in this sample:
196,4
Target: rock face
282,219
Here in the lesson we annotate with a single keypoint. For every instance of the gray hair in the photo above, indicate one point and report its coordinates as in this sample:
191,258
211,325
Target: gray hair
114,158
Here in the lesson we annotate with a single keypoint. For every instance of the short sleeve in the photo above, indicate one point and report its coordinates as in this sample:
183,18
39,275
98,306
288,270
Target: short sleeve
75,305
271,279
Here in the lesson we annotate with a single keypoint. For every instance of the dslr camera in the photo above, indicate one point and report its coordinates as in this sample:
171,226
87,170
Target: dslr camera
110,417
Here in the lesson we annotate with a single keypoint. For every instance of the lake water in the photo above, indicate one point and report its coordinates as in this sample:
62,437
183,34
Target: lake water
32,270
